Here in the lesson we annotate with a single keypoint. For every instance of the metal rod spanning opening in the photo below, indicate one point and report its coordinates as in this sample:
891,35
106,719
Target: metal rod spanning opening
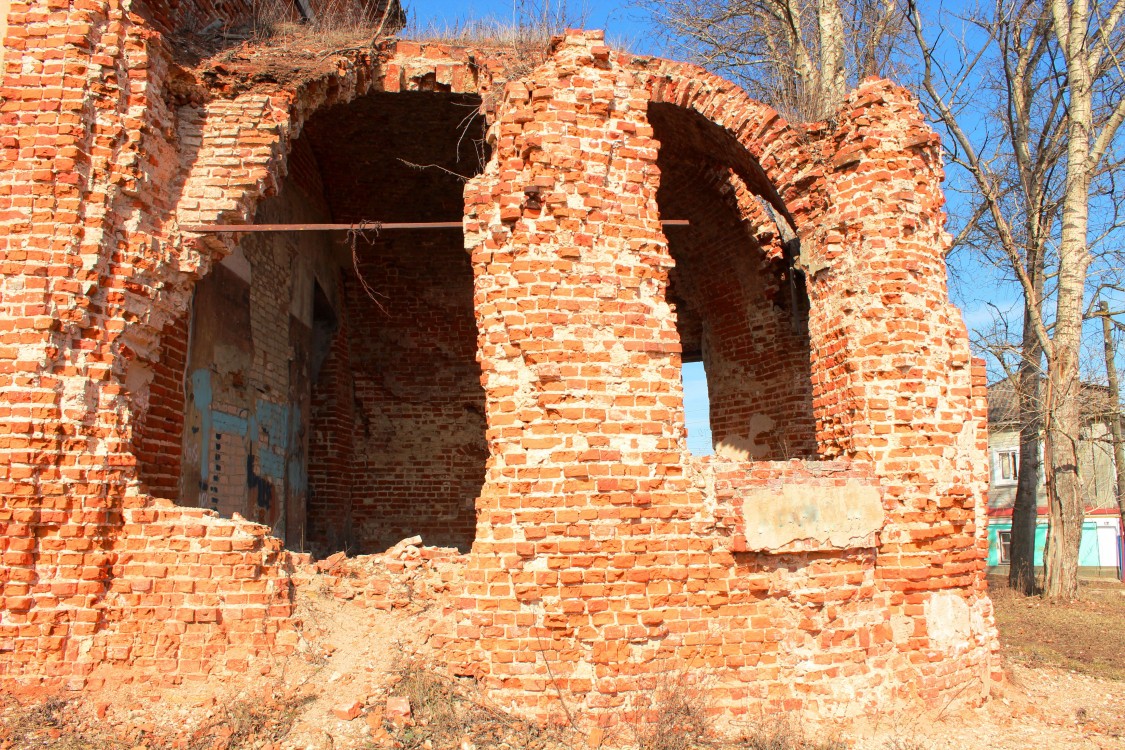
371,225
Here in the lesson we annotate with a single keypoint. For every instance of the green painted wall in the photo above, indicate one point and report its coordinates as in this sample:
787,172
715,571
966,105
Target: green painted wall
1088,553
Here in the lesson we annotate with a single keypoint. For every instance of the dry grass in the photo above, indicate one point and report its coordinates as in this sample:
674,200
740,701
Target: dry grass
277,47
674,715
366,18
50,723
251,721
522,41
784,733
445,713
1084,635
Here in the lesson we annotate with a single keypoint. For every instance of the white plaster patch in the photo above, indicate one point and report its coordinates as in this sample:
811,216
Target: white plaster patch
810,517
138,376
902,628
747,448
948,622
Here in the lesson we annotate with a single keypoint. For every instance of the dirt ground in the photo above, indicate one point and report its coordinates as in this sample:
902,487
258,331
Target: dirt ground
1085,635
345,688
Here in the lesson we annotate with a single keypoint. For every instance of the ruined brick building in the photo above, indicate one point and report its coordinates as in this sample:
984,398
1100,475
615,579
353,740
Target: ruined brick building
179,407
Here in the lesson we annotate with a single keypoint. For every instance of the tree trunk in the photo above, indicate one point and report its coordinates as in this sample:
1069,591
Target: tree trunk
1064,418
1021,574
1064,489
833,74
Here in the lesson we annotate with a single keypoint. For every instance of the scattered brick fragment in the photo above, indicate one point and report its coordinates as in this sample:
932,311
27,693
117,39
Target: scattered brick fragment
347,711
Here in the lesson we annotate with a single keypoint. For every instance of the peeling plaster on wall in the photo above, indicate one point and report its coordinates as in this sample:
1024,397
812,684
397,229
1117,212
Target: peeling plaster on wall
948,622
816,518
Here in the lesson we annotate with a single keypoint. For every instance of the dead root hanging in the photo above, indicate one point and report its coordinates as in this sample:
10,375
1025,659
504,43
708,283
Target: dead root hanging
355,234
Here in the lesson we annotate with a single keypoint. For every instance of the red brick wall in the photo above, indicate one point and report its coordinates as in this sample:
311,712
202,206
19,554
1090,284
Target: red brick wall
159,435
602,557
416,433
899,376
332,438
419,465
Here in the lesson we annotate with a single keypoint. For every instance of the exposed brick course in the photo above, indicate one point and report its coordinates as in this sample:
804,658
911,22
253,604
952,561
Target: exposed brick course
602,554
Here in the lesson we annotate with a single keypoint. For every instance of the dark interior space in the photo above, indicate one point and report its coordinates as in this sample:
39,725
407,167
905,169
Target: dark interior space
330,382
397,419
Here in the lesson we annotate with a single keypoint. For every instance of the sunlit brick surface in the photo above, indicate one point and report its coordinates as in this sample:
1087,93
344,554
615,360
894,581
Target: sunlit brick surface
604,556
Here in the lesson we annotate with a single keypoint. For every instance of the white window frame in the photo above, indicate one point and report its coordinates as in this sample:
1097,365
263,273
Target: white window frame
998,478
1004,546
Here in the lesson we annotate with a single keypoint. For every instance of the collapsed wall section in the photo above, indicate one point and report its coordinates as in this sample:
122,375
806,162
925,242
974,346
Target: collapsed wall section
96,286
95,572
332,391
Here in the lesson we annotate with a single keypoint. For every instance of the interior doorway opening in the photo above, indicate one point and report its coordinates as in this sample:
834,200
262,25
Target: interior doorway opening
330,383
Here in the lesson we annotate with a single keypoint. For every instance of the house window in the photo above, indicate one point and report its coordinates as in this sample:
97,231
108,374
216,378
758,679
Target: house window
1004,538
1005,466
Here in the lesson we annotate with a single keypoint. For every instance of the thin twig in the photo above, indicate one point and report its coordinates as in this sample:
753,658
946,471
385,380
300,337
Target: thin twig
420,167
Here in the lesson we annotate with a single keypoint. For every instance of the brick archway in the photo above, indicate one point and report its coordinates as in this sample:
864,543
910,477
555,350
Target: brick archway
278,158
81,593
779,158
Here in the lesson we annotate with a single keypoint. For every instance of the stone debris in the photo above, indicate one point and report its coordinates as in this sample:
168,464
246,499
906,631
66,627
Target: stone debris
408,576
398,708
348,711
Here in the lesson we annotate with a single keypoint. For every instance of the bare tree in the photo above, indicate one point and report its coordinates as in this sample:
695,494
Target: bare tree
1015,201
799,56
1051,69
1090,42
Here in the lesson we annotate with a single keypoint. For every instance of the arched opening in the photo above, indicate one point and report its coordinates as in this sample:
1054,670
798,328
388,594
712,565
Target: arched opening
329,379
741,309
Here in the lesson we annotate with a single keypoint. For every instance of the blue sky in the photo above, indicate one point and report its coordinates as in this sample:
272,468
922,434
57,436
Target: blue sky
695,409
624,24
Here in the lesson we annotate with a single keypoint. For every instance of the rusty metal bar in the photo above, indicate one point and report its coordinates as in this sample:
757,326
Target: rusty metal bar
374,226
368,226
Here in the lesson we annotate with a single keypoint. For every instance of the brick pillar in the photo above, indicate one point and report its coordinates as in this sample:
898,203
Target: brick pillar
580,361
61,480
893,378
